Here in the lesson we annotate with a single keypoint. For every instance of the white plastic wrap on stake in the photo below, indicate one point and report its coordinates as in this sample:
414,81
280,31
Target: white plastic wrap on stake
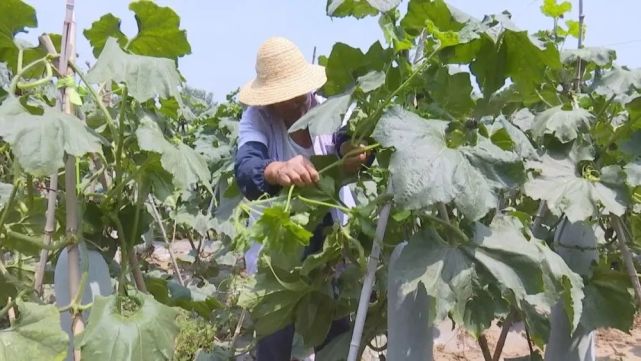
576,244
368,283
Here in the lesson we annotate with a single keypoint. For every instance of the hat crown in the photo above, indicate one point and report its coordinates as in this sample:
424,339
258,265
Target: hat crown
277,59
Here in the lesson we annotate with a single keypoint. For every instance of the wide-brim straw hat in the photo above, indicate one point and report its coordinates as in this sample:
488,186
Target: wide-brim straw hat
282,73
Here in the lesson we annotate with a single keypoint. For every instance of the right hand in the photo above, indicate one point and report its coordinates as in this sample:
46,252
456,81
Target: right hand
297,171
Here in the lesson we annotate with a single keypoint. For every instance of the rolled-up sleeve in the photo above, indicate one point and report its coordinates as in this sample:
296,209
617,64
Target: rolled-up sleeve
249,168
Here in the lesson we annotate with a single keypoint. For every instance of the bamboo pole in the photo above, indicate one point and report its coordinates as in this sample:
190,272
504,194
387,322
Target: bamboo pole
71,199
52,192
368,283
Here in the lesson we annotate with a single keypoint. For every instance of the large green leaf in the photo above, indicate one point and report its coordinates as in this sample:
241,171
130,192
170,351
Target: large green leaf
108,26
565,282
15,17
452,92
448,271
325,118
356,8
279,231
608,301
40,142
147,334
565,125
185,165
527,61
146,77
445,271
618,82
425,171
36,335
435,11
271,304
565,183
506,254
159,32
346,64
521,143
599,56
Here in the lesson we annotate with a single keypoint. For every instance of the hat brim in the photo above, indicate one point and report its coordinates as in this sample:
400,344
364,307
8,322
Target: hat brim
256,93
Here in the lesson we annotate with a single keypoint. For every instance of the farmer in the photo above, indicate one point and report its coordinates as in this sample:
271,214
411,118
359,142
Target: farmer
270,158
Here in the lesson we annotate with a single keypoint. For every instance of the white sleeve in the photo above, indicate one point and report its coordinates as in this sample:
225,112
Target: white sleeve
253,127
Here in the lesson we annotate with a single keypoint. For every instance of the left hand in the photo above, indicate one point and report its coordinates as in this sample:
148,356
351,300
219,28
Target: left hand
353,161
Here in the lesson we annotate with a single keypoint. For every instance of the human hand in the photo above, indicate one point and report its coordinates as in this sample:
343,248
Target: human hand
353,160
296,171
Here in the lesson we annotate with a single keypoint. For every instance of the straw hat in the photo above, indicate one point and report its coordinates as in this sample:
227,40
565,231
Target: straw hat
282,73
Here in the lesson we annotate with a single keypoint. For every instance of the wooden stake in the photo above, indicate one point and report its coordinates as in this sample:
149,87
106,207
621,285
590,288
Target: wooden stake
368,282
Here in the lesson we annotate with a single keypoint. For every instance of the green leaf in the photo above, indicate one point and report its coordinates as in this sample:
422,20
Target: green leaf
632,172
567,283
272,306
565,125
185,165
524,119
346,65
506,254
574,28
617,82
445,271
325,118
40,142
146,77
5,193
551,9
599,56
36,335
371,81
425,171
384,5
15,17
522,145
527,61
356,8
453,92
608,301
448,271
335,350
146,335
436,11
108,26
562,184
159,32
277,231
314,315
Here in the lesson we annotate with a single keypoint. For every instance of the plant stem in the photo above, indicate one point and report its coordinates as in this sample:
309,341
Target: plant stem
368,282
482,340
50,225
579,71
324,204
289,197
9,204
462,236
622,237
35,241
14,82
347,155
94,94
174,264
133,238
507,324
